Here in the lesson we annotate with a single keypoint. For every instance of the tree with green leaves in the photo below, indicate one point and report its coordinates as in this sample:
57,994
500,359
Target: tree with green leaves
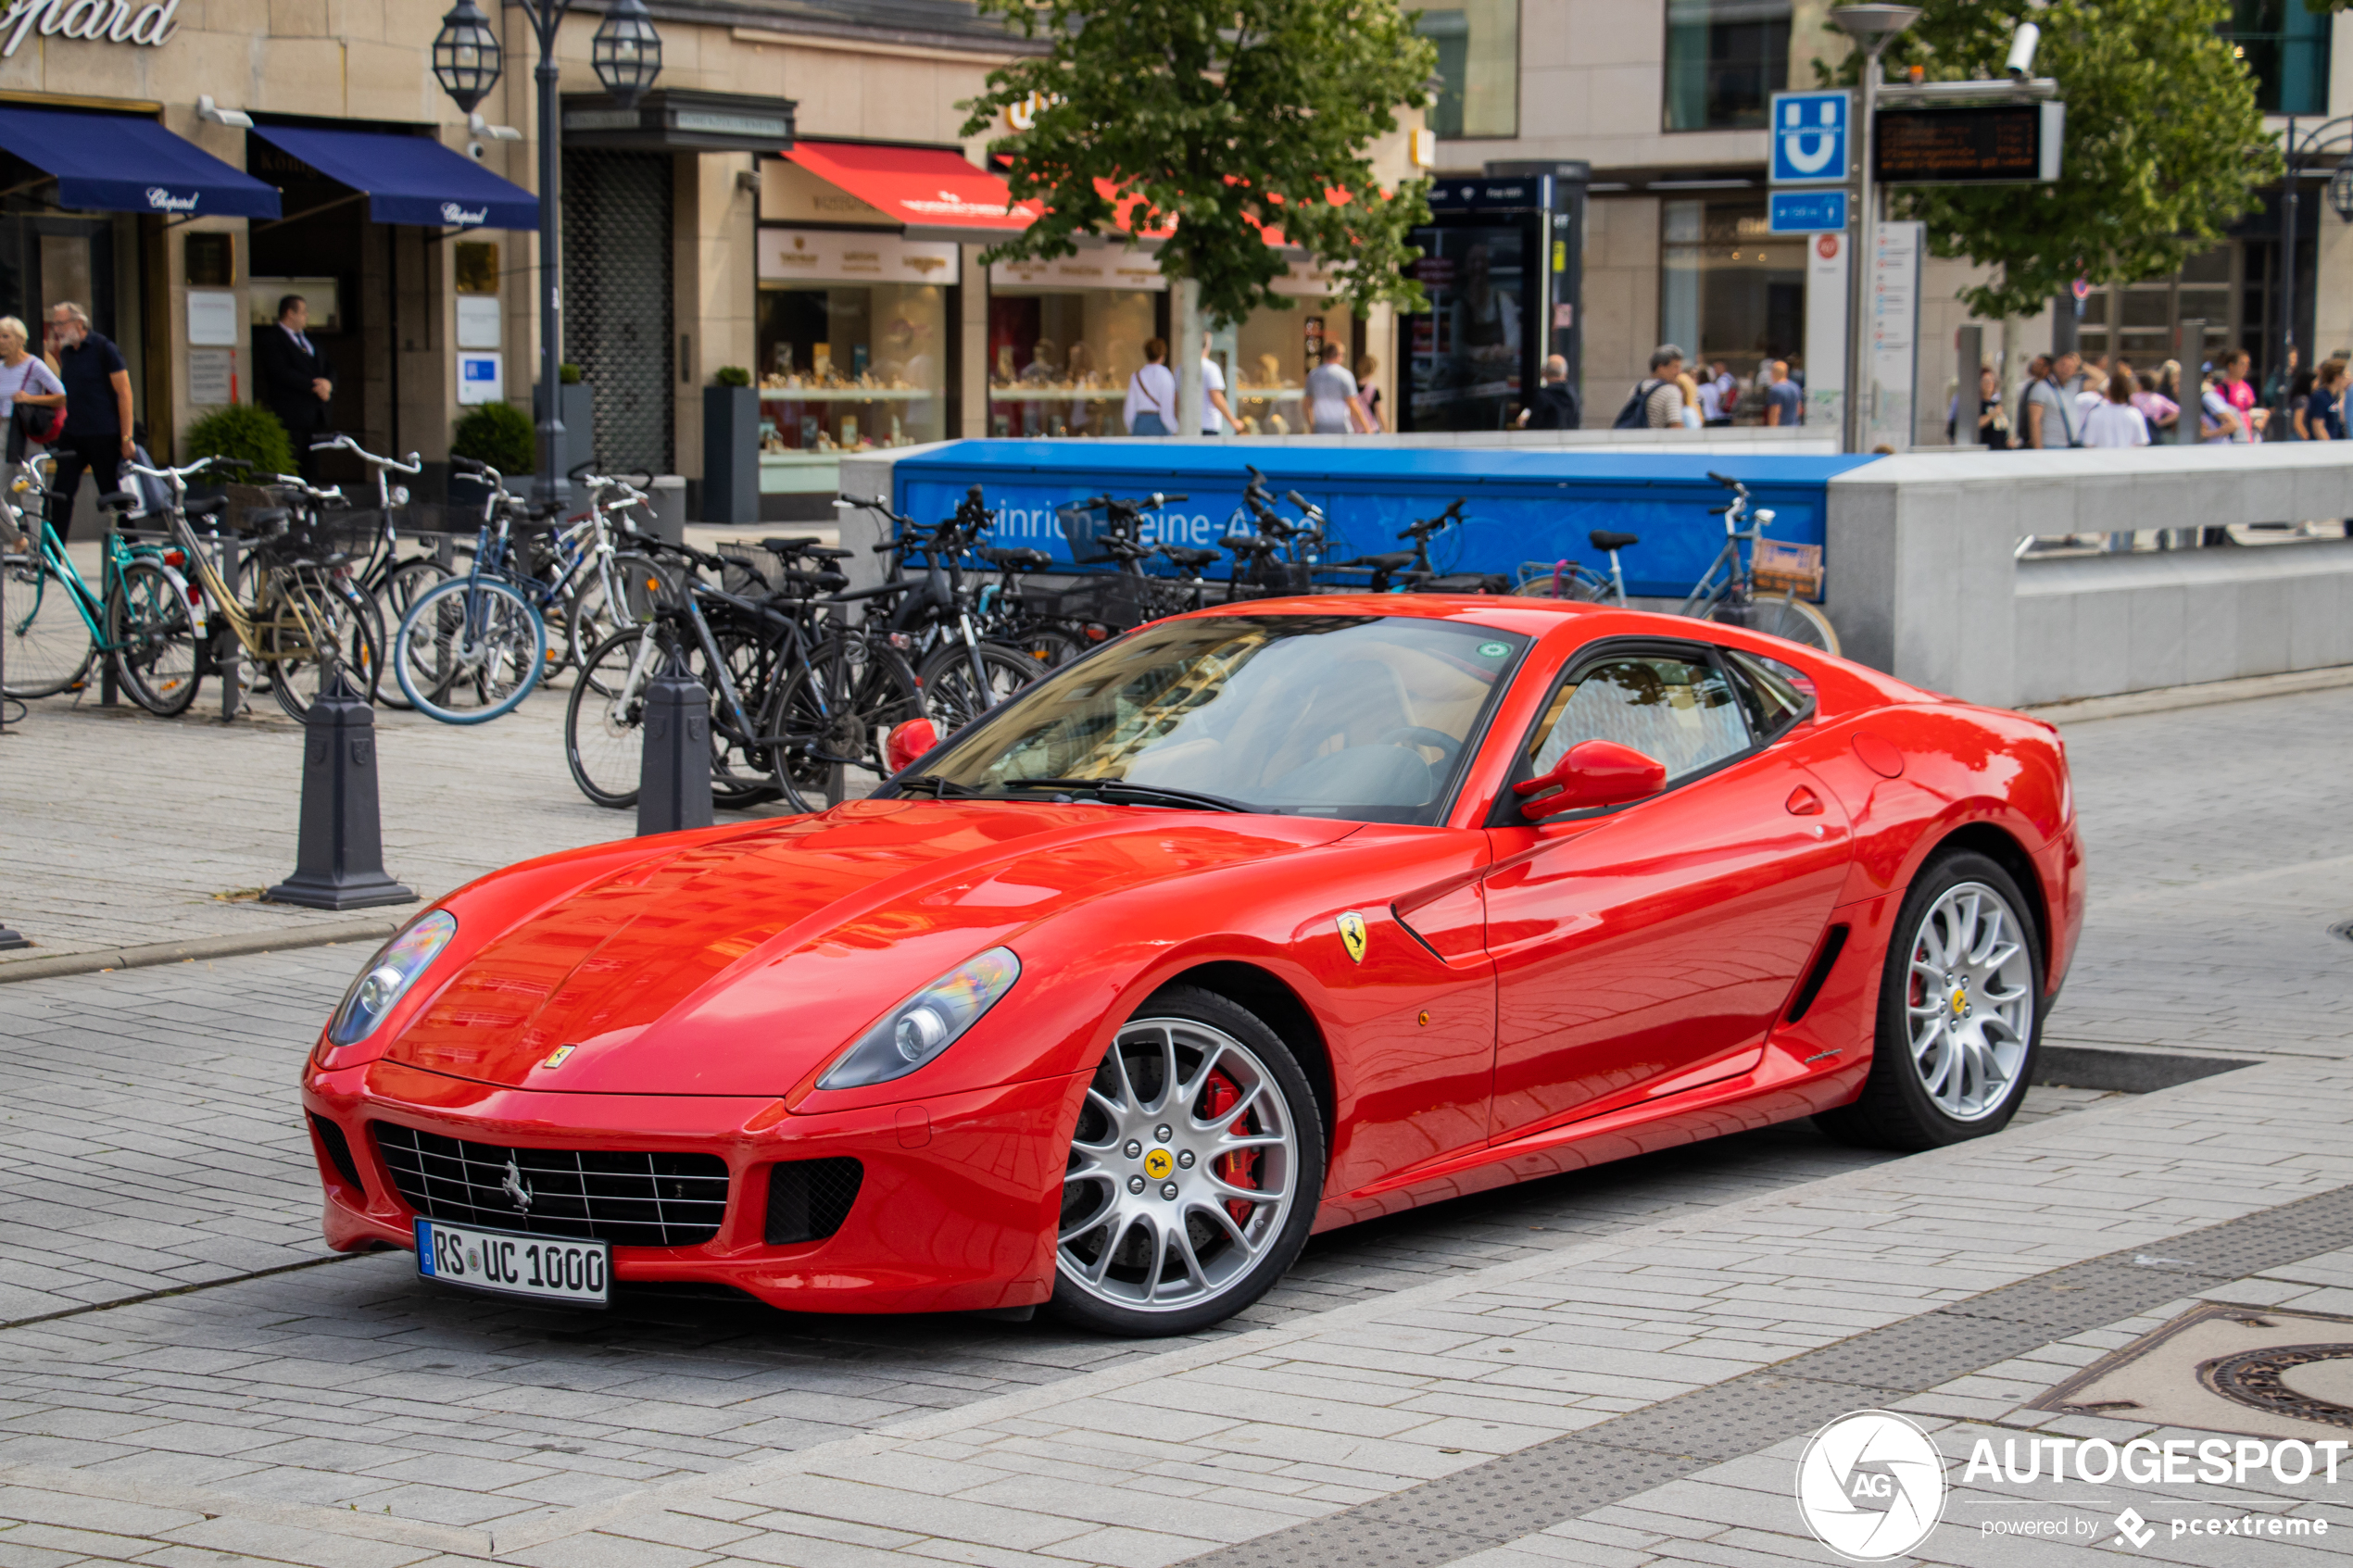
1221,118
2165,145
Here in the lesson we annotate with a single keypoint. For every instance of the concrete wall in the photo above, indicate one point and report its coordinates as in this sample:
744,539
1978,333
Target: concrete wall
1923,579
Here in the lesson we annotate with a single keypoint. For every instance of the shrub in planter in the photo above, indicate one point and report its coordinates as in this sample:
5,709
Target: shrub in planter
245,432
568,375
499,434
731,375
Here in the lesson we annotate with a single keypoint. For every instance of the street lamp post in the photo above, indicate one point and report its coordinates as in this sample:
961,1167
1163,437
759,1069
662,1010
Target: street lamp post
1875,28
466,60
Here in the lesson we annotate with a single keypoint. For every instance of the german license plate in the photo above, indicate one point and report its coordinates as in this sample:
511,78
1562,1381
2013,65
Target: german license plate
545,1268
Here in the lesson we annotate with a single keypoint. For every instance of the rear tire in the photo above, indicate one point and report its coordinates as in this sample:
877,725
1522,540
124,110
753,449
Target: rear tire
50,648
469,651
1198,1110
154,640
604,735
1960,1013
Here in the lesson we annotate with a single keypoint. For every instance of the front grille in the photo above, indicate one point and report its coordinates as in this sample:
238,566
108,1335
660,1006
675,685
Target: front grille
808,1199
629,1199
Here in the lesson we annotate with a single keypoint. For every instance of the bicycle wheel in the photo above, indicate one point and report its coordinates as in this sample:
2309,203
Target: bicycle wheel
1574,582
315,630
604,719
955,695
829,715
50,646
1779,615
469,650
155,639
641,583
739,772
402,587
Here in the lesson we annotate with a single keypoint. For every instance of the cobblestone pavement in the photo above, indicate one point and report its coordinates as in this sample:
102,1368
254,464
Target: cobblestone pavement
340,1413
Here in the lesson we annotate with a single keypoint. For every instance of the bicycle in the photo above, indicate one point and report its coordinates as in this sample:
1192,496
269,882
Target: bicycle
471,648
67,625
1730,600
304,608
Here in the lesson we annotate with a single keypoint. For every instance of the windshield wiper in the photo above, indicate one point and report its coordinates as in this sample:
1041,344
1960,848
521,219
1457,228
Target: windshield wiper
1142,794
940,787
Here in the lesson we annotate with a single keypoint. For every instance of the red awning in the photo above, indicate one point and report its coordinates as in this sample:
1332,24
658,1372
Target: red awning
922,187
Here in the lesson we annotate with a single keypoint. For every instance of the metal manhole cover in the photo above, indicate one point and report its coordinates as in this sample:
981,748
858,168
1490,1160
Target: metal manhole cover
2254,1378
2262,1371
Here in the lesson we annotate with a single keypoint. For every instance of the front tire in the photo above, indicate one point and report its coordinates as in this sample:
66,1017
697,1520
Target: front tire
1961,1016
155,639
1194,1170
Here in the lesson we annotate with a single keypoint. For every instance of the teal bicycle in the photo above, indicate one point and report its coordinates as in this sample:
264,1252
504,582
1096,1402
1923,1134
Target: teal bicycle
58,626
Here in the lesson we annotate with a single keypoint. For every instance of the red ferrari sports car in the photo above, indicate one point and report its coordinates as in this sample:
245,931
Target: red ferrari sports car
1255,922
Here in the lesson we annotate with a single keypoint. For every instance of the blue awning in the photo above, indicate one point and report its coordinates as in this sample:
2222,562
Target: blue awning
409,179
120,163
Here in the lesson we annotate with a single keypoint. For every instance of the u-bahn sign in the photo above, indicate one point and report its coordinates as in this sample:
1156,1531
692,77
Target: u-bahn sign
1982,145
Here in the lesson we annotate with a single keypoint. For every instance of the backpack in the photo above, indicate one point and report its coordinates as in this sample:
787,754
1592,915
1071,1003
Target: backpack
1630,417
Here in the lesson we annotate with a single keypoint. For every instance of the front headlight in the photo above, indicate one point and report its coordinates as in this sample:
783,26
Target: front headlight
388,976
926,1023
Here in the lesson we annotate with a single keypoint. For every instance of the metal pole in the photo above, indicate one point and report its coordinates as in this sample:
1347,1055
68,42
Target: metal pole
2287,263
1970,341
2190,350
1861,264
550,488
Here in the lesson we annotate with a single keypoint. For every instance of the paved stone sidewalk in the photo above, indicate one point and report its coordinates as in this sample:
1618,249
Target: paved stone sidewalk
1164,1455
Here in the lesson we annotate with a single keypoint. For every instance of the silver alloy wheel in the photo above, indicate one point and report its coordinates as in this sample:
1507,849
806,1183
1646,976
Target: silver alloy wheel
1183,1169
1969,1003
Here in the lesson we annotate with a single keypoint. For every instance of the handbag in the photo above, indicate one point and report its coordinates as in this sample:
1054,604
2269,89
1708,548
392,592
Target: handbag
41,426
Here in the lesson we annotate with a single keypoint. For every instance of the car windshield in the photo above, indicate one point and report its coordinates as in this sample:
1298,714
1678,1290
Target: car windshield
1358,717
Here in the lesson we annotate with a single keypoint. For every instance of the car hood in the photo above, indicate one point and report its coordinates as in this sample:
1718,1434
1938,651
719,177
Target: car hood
736,966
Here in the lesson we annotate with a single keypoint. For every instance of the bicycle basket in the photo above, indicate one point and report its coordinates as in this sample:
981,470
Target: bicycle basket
1084,528
1114,599
1786,568
747,570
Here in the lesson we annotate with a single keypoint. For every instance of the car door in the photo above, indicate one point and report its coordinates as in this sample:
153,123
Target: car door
1640,947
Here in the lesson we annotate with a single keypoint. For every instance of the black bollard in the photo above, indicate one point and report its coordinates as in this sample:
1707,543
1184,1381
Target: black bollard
339,864
673,771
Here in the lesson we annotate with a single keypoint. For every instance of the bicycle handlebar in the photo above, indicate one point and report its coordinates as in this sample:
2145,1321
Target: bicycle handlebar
414,466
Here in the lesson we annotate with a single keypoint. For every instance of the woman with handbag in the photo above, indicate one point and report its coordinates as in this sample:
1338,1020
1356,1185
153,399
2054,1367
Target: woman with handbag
33,400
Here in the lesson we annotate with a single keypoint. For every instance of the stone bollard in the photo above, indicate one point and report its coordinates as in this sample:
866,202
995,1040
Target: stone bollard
674,771
339,863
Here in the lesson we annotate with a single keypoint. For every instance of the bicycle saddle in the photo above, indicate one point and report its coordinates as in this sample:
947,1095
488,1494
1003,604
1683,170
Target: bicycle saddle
1183,556
1389,562
1603,539
117,501
1017,560
1467,583
209,506
1251,544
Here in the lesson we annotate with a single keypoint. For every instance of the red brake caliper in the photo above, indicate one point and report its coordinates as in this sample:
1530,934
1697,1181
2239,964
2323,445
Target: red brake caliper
1240,1168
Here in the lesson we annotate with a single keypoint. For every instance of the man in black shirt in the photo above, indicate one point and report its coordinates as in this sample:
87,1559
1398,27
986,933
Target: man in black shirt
97,434
296,379
1554,406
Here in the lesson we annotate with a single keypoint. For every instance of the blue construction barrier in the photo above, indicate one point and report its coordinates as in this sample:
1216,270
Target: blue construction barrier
1524,505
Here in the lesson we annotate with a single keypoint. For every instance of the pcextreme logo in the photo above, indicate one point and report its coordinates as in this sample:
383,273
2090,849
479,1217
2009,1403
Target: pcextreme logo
1870,1486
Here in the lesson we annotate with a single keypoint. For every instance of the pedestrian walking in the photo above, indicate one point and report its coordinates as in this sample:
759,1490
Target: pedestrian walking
2219,424
297,381
1554,405
1993,425
2116,422
1216,414
1369,395
2322,415
2239,393
1784,403
2051,417
1656,402
1332,406
1718,395
98,437
1151,408
2161,412
30,394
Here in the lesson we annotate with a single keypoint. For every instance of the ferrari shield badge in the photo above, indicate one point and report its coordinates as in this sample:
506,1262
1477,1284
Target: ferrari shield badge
1352,935
556,1057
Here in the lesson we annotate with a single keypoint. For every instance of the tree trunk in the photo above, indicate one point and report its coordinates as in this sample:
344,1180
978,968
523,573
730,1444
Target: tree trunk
1185,359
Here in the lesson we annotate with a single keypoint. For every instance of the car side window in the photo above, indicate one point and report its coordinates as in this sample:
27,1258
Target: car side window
1680,711
1769,691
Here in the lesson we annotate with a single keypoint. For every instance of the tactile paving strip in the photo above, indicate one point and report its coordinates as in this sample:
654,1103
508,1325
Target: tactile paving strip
1519,1495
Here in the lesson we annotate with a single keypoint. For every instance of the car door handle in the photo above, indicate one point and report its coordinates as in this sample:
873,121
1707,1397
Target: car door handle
1803,802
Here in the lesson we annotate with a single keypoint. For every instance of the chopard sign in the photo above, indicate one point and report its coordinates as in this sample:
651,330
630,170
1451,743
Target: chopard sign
100,21
452,213
165,201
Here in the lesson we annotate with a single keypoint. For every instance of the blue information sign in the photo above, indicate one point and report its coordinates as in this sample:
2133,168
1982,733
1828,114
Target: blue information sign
1807,212
1810,137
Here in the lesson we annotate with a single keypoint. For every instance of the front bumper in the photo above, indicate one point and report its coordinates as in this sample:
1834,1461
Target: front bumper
955,1212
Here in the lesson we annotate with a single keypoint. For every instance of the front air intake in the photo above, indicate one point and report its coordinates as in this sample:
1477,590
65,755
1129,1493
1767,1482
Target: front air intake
808,1199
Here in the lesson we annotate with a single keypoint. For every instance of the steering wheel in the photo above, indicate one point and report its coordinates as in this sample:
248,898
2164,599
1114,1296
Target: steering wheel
1414,735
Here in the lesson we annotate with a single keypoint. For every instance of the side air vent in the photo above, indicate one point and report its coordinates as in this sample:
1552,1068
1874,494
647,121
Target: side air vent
1811,987
808,1199
338,1150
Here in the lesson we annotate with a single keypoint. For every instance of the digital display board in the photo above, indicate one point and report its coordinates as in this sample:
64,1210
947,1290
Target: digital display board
1985,145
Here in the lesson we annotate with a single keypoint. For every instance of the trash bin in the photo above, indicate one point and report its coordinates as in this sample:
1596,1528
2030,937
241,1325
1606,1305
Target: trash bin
670,508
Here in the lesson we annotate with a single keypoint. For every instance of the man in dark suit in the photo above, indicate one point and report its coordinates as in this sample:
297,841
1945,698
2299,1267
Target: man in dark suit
296,380
1554,405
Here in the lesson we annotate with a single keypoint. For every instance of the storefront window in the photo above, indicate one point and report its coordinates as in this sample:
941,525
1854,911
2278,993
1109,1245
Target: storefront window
1725,60
2142,320
853,351
1729,289
1478,66
1465,354
2287,48
1273,351
1059,360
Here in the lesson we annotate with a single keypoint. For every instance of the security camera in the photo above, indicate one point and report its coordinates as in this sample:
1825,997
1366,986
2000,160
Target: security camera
476,150
2020,64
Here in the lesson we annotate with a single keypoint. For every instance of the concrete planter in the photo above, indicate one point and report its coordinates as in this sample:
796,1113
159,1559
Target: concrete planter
730,454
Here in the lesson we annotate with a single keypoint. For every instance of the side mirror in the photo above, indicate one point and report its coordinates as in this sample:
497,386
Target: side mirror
1594,773
908,743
